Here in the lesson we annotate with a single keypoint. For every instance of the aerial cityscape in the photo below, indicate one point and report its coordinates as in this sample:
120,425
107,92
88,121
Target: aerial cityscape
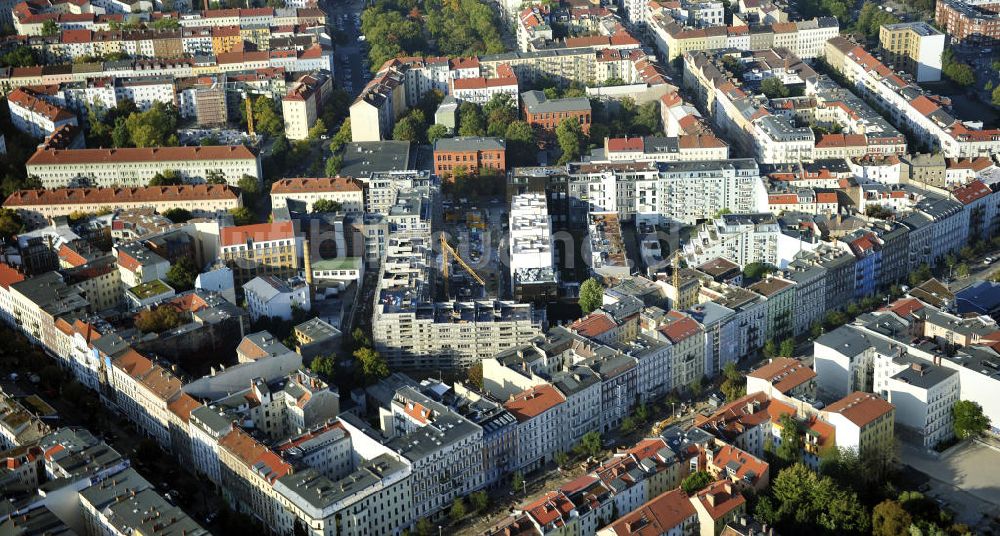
500,267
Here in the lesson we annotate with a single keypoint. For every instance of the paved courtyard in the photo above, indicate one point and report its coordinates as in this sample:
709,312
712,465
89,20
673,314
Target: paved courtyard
966,480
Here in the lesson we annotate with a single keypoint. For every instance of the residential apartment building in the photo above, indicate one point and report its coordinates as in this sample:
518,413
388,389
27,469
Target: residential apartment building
348,193
304,103
260,249
469,156
915,47
803,38
682,148
971,23
927,116
39,206
741,238
532,262
130,167
34,116
546,114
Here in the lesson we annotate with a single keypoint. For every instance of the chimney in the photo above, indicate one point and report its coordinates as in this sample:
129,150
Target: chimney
307,262
710,498
728,487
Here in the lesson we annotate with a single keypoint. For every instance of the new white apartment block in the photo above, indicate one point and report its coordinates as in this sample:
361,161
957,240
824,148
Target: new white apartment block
741,238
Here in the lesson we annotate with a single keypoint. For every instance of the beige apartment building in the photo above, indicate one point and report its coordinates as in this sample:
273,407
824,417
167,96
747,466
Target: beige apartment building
38,206
348,192
303,104
914,47
260,249
136,167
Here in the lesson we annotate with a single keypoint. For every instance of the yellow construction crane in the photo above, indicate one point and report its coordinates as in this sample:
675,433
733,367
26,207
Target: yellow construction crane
445,249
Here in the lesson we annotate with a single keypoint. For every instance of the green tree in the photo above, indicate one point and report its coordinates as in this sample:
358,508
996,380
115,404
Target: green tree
457,510
922,273
968,419
590,444
326,205
266,118
996,96
250,186
561,458
479,500
317,131
735,383
475,375
165,23
696,482
241,215
182,274
591,295
787,348
177,215
628,425
770,348
470,120
790,449
756,271
647,119
517,481
436,132
522,146
215,176
22,56
499,112
424,527
959,72
570,138
50,28
696,387
407,129
324,365
802,502
962,270
157,320
890,519
156,127
167,177
333,165
10,224
342,136
774,88
373,365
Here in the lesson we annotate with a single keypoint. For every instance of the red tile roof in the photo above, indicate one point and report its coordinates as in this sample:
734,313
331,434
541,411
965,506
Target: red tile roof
124,155
661,515
861,408
625,144
719,499
534,401
251,453
112,196
325,184
784,373
9,275
552,509
971,192
680,329
260,232
593,325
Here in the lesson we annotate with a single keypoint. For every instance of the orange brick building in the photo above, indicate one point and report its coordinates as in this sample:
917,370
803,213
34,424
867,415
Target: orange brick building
545,114
469,153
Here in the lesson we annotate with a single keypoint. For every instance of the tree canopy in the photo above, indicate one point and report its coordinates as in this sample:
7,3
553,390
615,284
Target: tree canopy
157,320
696,482
182,274
802,502
968,419
591,295
569,136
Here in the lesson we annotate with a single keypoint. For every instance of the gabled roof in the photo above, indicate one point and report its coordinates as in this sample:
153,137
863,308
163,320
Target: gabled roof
533,401
784,373
861,408
661,515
